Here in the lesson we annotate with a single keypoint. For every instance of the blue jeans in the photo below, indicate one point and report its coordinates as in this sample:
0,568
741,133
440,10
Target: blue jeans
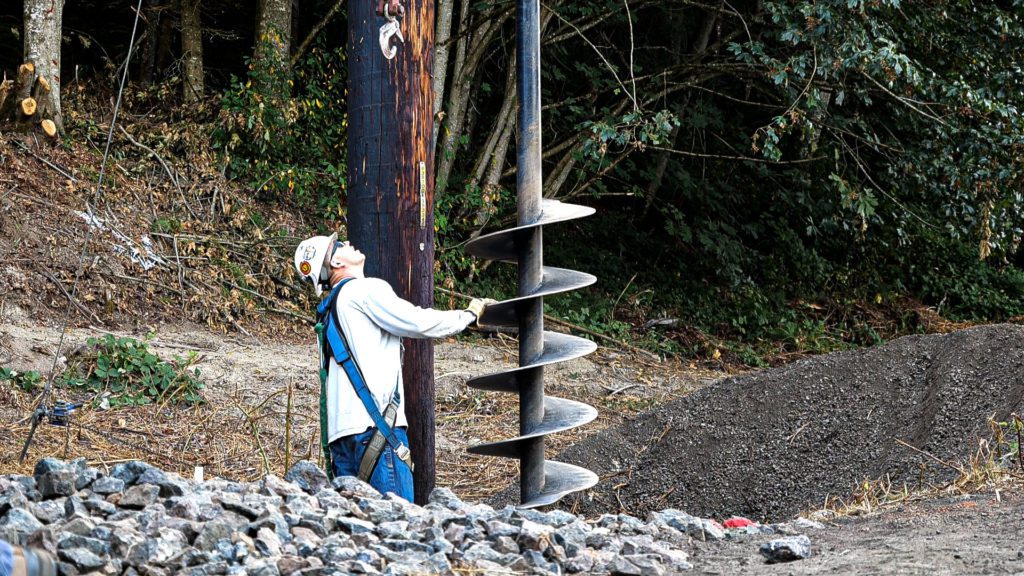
6,559
390,475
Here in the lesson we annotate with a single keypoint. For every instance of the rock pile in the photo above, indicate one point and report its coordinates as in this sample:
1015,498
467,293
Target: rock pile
140,520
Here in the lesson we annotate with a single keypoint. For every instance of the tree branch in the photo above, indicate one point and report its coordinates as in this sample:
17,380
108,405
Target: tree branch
313,33
743,158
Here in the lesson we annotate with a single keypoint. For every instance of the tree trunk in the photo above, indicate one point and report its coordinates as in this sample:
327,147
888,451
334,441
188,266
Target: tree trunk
698,48
153,15
390,187
42,48
192,51
274,30
166,53
469,53
445,11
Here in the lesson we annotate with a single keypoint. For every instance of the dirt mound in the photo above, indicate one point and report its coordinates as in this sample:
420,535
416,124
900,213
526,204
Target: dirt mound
144,251
772,444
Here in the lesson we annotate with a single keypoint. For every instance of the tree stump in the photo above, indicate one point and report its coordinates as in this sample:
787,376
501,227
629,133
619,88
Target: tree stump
25,101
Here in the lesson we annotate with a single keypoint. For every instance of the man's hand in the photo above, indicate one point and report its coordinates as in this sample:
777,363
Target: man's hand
477,306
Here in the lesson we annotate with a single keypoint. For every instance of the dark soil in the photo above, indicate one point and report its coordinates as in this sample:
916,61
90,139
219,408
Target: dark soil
772,444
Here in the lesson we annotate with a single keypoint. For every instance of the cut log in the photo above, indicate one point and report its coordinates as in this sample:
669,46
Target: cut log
27,101
41,94
5,89
28,106
26,78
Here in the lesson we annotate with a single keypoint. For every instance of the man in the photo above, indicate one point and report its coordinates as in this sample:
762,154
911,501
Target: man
18,561
363,318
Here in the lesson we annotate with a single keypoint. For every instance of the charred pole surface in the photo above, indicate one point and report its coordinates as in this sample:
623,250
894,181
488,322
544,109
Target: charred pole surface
390,183
542,482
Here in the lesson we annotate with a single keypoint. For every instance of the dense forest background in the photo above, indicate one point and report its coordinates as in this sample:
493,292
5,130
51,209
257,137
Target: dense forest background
770,177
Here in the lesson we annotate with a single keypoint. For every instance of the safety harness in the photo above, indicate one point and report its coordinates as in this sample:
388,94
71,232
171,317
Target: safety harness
333,343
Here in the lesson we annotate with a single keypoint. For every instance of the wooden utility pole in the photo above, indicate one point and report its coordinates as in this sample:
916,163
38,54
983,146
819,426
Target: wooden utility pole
391,185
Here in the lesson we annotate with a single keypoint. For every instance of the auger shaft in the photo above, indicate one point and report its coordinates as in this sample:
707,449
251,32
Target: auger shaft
529,185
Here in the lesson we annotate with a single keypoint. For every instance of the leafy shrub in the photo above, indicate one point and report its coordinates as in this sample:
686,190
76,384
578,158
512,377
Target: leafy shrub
122,370
284,133
131,374
26,381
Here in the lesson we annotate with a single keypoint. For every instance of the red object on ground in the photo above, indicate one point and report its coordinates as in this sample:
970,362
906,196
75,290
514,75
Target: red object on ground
738,522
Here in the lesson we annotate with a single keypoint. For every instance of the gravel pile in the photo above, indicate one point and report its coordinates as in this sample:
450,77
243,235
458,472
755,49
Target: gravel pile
141,520
770,444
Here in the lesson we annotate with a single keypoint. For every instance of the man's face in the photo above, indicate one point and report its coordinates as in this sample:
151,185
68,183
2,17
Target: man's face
347,255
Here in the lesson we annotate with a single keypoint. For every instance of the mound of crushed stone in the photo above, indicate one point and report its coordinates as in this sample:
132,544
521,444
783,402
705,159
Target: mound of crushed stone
775,443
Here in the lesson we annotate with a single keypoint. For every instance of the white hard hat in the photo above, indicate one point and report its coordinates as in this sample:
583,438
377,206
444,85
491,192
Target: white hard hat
310,258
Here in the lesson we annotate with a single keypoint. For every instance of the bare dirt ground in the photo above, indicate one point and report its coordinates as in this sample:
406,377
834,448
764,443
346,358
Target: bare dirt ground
253,424
971,534
942,534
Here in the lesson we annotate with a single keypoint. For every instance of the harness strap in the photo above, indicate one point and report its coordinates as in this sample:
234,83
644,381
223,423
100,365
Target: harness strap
333,343
325,441
371,456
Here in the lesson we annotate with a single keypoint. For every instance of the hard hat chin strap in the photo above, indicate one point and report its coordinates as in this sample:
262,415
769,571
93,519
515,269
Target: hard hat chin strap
325,273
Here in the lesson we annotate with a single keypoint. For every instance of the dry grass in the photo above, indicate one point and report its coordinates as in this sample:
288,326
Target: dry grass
996,464
241,436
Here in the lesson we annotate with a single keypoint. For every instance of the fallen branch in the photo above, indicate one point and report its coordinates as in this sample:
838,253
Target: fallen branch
289,313
614,391
933,457
149,282
63,171
78,305
170,173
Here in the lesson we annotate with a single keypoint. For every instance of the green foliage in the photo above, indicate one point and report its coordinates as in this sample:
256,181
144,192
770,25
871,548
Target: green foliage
962,286
832,158
127,372
916,105
124,371
28,381
633,130
283,131
167,225
455,216
596,314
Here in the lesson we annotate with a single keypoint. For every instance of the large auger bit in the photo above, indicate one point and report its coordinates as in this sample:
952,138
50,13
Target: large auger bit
542,481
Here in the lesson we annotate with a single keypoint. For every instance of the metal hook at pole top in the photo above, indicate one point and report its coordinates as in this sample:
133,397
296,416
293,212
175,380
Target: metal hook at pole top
391,10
